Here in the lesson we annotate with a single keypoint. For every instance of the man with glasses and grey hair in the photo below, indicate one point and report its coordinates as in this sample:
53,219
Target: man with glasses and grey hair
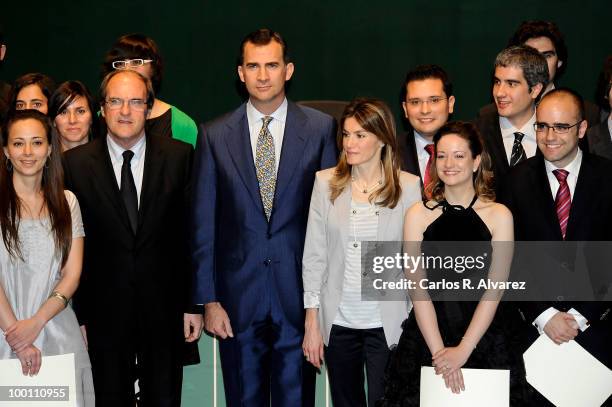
133,301
519,77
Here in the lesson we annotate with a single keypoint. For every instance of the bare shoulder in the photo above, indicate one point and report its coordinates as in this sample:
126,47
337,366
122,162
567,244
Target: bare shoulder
419,214
498,219
493,209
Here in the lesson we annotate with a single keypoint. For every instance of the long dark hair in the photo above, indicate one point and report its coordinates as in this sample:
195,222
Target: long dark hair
65,94
52,187
44,82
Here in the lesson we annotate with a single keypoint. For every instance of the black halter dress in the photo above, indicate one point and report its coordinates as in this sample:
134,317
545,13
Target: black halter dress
495,349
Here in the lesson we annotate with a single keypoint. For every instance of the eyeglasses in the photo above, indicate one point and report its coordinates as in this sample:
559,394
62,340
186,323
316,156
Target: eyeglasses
138,105
432,101
557,128
131,63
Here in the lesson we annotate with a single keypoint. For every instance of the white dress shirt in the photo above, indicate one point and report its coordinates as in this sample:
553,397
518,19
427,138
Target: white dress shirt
137,163
422,154
573,169
276,127
610,126
529,141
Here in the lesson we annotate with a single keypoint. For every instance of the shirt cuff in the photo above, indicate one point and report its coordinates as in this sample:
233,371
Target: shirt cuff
542,319
583,324
311,300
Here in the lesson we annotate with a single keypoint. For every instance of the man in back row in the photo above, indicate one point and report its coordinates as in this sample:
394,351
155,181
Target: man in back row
547,39
427,101
520,76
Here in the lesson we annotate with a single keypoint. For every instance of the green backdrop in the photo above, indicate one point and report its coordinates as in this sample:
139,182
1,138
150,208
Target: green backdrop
341,49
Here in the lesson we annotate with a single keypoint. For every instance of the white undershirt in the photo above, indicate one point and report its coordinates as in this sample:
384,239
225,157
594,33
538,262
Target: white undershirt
352,311
529,140
276,127
422,154
136,163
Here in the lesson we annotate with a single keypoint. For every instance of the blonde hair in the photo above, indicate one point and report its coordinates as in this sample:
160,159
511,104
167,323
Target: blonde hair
375,117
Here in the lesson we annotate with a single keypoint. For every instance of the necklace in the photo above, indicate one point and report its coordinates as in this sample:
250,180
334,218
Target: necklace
366,189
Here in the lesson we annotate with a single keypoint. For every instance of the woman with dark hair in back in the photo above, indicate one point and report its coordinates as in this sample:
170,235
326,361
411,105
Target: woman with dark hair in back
449,333
362,199
73,113
141,54
31,91
41,252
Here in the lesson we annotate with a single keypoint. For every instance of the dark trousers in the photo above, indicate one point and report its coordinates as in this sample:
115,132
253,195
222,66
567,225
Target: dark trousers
264,365
159,373
159,370
348,351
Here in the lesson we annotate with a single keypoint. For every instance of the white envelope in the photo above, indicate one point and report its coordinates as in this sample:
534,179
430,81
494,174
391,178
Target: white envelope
567,374
55,371
483,388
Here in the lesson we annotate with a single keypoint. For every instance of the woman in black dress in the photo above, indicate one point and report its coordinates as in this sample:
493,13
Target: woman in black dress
449,335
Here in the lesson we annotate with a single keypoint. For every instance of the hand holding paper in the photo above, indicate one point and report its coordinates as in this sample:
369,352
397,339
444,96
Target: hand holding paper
566,374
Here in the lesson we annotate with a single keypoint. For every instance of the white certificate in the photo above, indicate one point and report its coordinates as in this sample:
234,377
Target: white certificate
53,386
483,387
567,374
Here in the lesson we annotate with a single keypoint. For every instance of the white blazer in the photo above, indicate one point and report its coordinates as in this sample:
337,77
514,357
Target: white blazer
324,250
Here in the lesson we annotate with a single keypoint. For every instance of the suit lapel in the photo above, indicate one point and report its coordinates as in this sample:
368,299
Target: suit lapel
585,187
342,207
413,157
238,141
408,154
497,144
543,197
151,178
104,178
293,147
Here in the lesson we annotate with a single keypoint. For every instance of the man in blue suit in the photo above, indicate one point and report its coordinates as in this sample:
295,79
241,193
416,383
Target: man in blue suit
254,173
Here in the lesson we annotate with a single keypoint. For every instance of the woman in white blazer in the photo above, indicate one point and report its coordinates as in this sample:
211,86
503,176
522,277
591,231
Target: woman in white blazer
364,198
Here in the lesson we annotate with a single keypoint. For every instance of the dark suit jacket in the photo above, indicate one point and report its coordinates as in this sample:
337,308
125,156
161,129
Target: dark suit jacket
599,140
238,254
408,154
526,192
133,282
487,123
592,113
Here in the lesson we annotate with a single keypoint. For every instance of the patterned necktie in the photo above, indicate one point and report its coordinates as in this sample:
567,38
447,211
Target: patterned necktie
265,166
128,190
427,177
518,153
563,201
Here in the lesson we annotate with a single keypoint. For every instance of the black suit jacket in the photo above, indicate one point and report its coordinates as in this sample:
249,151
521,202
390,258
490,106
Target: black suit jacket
487,123
599,140
526,192
408,154
133,281
592,113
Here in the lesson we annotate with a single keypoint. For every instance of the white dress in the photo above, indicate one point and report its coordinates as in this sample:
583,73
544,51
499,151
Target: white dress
29,281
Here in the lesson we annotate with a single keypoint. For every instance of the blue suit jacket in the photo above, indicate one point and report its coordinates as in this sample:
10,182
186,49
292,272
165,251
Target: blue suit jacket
239,256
